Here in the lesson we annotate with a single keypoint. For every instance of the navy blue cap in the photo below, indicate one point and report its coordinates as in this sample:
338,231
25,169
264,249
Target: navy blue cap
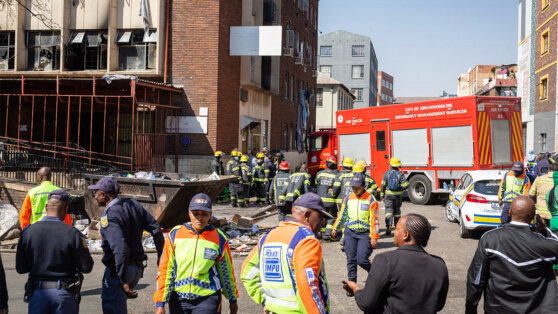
107,185
314,202
517,166
200,201
59,195
358,179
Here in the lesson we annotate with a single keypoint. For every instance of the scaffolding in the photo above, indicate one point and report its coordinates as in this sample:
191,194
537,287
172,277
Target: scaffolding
118,123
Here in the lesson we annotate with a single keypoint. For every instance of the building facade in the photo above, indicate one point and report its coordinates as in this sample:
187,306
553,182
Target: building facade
385,89
526,68
332,96
350,58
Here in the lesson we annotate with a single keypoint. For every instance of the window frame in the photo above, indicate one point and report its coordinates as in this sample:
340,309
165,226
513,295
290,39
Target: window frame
38,46
545,42
361,72
363,53
326,66
320,97
545,4
355,91
330,51
132,42
10,46
543,88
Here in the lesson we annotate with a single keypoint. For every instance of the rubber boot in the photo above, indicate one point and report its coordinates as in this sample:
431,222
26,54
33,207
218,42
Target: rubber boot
388,225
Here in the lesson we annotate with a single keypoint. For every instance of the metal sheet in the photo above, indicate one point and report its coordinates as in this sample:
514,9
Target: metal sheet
411,147
452,146
355,146
256,40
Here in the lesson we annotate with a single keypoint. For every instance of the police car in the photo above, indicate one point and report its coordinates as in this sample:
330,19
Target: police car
474,201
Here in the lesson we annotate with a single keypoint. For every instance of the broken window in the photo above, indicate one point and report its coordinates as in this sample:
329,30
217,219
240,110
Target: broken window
7,44
137,49
86,50
43,50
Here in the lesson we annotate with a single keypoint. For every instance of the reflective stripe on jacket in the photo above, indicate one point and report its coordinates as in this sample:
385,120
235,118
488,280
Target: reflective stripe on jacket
259,173
324,182
512,187
342,185
195,265
246,174
286,271
298,184
360,214
539,189
33,207
278,188
403,184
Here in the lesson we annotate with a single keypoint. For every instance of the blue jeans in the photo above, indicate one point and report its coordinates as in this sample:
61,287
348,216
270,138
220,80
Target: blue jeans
358,250
210,304
57,301
505,217
113,297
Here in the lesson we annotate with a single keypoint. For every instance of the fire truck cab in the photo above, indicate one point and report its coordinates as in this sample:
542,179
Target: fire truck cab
323,144
437,141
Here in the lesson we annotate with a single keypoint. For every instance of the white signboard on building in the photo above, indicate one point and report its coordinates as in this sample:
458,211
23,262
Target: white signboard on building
187,125
256,40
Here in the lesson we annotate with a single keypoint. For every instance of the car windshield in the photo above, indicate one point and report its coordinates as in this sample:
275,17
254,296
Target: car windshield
487,187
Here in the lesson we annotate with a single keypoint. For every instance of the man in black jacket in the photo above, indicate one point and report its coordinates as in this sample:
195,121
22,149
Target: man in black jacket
406,280
513,266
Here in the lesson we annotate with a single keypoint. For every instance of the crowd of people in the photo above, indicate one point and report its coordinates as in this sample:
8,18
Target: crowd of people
285,272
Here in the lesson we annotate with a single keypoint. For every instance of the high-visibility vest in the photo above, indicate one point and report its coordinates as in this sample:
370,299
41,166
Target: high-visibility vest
39,198
514,187
360,214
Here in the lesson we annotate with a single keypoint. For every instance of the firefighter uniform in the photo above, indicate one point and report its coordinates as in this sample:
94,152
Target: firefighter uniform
285,271
298,184
324,183
538,191
260,179
359,216
195,268
511,187
271,172
246,180
217,164
370,185
342,184
233,169
393,198
278,190
33,208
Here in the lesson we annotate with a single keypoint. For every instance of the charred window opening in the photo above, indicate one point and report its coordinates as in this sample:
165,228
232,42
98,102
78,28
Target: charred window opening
137,49
86,50
7,55
43,50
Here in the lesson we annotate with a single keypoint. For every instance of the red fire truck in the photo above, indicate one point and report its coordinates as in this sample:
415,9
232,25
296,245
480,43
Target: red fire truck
437,141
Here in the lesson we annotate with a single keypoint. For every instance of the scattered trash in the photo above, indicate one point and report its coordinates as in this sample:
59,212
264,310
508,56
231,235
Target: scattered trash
212,177
148,242
94,244
233,233
9,219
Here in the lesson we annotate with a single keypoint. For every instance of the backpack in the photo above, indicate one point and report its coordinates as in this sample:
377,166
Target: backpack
393,180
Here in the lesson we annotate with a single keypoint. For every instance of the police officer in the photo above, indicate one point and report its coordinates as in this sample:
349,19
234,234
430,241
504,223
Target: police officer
55,255
235,187
33,208
260,179
393,186
245,181
324,183
122,224
285,272
217,164
513,184
342,186
370,185
196,266
298,184
278,190
359,216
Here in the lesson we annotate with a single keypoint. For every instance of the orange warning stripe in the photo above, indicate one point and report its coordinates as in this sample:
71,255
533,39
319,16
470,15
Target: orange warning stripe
517,138
484,139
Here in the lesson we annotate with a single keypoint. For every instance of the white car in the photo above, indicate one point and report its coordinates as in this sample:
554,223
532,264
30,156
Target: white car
474,202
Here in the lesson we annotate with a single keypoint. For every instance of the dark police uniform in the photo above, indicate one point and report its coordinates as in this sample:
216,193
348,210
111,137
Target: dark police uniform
52,253
122,225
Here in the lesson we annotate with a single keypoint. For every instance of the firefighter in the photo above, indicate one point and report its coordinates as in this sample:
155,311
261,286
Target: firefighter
342,186
236,187
393,186
196,266
285,271
298,184
217,164
324,182
513,184
271,171
260,175
370,185
278,190
246,181
359,216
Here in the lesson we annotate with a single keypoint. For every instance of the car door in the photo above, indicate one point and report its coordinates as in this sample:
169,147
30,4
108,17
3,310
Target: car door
458,193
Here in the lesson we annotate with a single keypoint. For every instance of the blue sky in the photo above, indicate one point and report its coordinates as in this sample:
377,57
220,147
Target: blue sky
426,44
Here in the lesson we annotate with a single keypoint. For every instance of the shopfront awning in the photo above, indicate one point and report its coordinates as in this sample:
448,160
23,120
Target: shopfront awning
245,121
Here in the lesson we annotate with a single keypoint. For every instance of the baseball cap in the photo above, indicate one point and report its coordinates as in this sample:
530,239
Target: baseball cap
357,180
314,202
517,166
59,195
200,201
107,185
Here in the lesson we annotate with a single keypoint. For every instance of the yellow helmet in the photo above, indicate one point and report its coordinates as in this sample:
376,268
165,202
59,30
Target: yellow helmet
348,162
359,166
234,153
395,162
244,158
260,155
218,153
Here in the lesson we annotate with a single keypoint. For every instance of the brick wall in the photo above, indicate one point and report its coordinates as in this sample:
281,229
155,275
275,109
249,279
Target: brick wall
382,90
545,64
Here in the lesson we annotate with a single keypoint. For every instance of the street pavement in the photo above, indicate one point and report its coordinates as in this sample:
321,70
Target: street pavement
444,242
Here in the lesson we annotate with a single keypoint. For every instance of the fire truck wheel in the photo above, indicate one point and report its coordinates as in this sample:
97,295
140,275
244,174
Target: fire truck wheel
420,190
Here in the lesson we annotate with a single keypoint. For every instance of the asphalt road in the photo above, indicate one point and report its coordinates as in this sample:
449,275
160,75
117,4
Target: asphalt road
444,242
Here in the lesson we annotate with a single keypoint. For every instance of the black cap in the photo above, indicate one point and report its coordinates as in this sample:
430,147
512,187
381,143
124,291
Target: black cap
59,195
517,166
108,185
358,179
200,201
314,202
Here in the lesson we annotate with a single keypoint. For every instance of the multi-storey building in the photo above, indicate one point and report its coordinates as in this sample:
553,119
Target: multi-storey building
350,58
385,89
332,96
526,68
